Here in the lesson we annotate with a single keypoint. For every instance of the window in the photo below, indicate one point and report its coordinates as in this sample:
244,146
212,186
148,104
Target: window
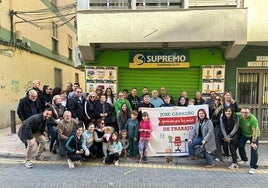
76,77
70,41
55,45
70,53
58,77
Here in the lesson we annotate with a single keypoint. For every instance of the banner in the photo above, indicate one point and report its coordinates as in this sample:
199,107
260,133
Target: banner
171,126
159,59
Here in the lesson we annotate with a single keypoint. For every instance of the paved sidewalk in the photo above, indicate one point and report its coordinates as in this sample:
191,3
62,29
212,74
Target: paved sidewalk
12,147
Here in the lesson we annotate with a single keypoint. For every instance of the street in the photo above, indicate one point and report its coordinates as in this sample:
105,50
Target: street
96,174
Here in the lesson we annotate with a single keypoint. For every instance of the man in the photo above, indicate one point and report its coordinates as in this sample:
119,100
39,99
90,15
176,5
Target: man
36,87
103,110
75,104
29,105
72,93
31,131
120,101
155,100
163,94
249,131
69,88
144,91
198,100
134,99
211,102
64,129
145,103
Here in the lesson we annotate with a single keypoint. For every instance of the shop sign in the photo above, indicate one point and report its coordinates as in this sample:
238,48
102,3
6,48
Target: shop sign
167,59
261,61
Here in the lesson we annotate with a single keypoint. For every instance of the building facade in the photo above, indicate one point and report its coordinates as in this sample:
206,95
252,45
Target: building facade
37,42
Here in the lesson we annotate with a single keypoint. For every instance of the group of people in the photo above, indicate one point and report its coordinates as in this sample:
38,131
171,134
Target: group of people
227,130
98,124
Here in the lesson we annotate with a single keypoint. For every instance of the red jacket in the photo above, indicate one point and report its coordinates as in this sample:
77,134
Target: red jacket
145,130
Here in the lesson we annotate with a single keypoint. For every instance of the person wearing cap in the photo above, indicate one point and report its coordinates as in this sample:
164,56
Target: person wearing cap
88,109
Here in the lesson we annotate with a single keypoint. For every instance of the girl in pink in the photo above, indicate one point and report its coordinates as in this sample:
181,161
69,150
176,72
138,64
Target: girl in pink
145,130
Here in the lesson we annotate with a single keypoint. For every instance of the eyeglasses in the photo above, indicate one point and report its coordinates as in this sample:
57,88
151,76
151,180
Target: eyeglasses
92,96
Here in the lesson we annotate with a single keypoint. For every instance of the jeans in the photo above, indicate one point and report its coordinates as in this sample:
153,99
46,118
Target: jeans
61,149
143,146
232,146
253,152
191,148
111,157
75,157
53,135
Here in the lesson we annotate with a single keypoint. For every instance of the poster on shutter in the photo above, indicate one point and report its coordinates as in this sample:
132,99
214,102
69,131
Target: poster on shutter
101,76
171,126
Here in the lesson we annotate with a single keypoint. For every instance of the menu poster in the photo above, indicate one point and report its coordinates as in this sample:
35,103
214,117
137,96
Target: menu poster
213,79
101,76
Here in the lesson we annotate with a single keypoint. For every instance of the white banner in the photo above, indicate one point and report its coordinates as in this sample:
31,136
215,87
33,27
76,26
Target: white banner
170,129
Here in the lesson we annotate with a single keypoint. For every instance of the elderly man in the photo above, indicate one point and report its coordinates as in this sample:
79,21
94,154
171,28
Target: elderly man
28,105
65,128
155,100
249,131
31,131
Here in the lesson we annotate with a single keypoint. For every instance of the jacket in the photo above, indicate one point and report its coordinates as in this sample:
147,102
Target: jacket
207,132
73,144
24,109
64,130
145,130
32,125
115,147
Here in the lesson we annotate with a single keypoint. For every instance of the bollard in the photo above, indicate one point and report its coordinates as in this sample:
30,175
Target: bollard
13,121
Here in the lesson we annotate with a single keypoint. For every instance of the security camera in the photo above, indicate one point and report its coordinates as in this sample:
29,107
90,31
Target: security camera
27,44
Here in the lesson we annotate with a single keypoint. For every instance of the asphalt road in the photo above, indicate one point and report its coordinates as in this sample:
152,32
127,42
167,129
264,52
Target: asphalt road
127,175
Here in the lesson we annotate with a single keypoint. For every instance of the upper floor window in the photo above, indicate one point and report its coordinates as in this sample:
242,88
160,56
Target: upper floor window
54,30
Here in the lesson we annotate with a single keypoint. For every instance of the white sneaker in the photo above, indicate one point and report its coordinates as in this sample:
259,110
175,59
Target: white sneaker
242,162
233,166
28,164
252,171
227,159
116,163
70,163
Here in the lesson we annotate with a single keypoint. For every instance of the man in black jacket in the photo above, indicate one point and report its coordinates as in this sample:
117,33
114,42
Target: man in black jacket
31,131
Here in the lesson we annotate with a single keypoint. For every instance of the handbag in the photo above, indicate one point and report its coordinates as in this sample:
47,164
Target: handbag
200,151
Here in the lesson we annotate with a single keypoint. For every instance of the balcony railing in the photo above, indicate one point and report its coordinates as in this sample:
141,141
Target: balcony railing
151,4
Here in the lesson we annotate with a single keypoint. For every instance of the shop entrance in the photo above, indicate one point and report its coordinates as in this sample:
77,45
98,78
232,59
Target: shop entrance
252,92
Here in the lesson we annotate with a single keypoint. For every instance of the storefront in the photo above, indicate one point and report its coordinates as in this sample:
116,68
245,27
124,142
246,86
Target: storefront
250,70
183,72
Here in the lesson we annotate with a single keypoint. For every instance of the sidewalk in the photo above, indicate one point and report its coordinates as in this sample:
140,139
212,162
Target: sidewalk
12,147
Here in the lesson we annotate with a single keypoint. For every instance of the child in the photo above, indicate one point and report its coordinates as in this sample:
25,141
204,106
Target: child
125,143
145,130
132,133
106,138
115,149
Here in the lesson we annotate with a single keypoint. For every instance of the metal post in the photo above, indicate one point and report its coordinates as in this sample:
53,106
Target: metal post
13,121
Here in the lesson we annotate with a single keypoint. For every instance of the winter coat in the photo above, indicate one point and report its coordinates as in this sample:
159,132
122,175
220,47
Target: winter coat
145,130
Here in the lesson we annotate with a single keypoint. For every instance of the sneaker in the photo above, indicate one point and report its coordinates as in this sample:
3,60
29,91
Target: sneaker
227,159
116,163
252,171
233,166
210,166
78,163
28,164
144,158
242,162
217,159
70,164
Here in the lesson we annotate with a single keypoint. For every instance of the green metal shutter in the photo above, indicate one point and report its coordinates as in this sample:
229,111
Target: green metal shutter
175,80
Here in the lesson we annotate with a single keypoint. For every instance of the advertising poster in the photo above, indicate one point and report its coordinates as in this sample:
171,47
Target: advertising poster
213,79
101,76
171,126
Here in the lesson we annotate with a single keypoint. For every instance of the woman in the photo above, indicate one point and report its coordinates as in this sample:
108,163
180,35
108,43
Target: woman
57,115
202,134
229,102
73,146
182,101
63,97
122,117
216,114
46,97
229,127
88,109
110,96
88,141
98,136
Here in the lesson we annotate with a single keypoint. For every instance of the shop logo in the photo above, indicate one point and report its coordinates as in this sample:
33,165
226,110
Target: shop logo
138,59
